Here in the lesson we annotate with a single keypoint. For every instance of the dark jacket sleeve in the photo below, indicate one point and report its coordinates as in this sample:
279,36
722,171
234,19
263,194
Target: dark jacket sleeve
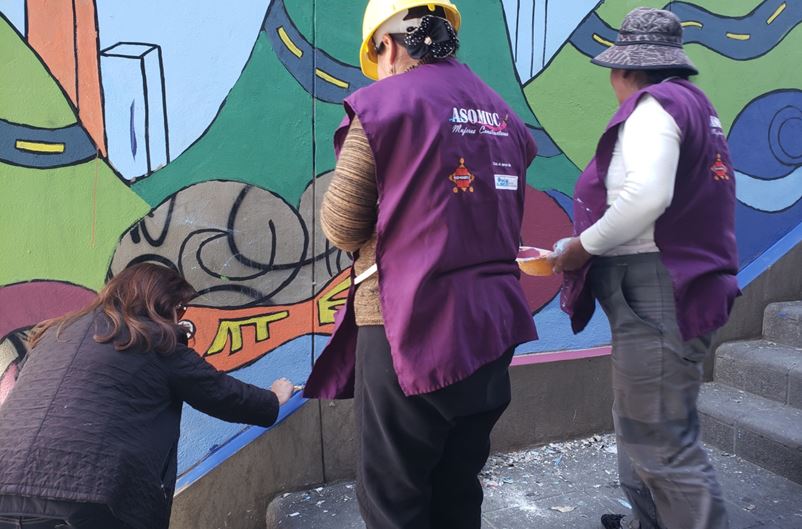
199,384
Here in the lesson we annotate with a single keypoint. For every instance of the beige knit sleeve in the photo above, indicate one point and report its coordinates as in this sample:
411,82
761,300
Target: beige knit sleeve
348,213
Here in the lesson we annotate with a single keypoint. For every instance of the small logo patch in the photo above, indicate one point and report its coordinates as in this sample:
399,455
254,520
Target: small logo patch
506,182
719,169
462,178
715,126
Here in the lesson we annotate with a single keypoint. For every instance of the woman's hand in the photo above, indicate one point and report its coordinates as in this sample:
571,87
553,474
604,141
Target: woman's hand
570,256
283,389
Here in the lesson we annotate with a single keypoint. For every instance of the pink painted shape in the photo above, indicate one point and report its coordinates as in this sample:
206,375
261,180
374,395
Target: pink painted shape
559,356
26,304
7,381
544,223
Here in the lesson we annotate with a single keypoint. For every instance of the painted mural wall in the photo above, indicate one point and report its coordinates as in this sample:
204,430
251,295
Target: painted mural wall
198,135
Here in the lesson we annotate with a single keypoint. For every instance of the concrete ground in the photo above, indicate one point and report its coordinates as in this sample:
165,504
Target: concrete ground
561,485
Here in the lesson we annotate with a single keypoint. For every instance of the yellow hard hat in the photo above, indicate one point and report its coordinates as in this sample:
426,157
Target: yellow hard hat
380,11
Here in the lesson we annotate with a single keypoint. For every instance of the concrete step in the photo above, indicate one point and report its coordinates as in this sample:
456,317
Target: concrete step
782,323
757,429
770,370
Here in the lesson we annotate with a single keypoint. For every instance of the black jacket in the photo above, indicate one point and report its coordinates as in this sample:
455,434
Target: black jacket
88,423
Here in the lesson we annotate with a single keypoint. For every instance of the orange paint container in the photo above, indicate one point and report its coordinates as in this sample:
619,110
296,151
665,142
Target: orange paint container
534,261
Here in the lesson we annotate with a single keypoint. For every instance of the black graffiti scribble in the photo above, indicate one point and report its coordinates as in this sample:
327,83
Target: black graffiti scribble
238,244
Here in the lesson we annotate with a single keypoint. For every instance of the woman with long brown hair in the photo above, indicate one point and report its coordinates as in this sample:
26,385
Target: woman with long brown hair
89,434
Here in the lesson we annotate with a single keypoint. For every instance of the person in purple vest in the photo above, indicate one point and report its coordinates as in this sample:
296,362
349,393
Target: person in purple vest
428,194
655,245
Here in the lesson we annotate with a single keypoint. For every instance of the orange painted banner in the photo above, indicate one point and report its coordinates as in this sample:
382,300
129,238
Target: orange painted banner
51,32
233,338
90,102
65,36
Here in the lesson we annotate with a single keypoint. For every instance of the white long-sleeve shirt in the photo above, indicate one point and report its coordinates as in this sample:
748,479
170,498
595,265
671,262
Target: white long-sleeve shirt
640,182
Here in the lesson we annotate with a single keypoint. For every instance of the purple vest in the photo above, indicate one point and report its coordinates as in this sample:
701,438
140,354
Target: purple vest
451,160
695,235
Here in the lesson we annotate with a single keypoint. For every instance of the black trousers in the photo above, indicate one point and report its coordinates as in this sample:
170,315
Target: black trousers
418,458
18,512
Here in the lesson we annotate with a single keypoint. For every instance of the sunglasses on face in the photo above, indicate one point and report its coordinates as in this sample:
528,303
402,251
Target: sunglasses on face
180,310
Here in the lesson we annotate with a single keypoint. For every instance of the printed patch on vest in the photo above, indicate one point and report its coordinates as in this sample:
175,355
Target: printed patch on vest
506,182
715,126
472,121
719,169
462,178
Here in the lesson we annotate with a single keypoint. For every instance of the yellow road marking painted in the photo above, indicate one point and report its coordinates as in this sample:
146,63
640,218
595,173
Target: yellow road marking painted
780,9
692,23
295,50
739,36
40,147
598,38
330,78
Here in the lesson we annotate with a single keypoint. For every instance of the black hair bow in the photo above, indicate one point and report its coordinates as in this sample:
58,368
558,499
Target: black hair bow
435,35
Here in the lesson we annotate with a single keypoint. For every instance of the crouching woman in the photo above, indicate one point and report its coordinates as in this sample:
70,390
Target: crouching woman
88,435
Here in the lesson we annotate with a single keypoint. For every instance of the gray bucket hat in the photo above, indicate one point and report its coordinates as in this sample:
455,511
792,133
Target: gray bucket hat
649,39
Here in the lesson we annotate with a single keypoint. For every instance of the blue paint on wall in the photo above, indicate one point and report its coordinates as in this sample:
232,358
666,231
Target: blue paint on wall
766,145
133,131
250,433
201,434
554,331
78,146
766,137
132,72
14,11
205,46
565,202
538,28
756,231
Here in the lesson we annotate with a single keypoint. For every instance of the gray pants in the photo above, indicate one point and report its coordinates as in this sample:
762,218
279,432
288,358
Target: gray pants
662,466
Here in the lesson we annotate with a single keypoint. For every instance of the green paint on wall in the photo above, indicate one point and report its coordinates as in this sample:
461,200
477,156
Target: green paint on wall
733,84
485,46
301,13
327,118
613,11
574,101
262,136
28,93
553,173
49,218
338,26
63,223
483,37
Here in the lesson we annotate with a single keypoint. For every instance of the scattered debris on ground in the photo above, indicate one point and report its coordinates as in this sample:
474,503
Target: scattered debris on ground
554,456
560,486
